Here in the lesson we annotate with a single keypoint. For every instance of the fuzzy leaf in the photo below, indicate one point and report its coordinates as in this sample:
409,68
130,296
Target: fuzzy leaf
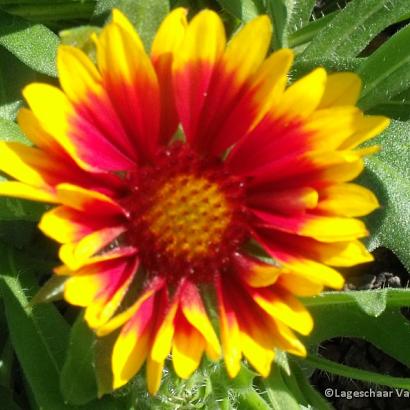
388,175
33,44
386,73
78,382
338,314
38,335
355,26
243,10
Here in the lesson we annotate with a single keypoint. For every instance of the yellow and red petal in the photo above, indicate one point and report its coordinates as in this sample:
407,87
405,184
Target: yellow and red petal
194,312
59,118
134,341
77,254
166,44
230,333
286,201
255,273
100,288
66,225
20,190
283,306
95,117
162,341
194,68
88,201
131,83
293,253
188,346
117,321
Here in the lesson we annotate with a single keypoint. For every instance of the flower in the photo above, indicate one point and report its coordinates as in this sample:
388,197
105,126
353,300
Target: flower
149,222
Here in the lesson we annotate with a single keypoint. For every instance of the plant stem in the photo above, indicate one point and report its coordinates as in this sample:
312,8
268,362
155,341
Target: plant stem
358,374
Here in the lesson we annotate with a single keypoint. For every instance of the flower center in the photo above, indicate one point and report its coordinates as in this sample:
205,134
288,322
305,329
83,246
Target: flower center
189,215
186,215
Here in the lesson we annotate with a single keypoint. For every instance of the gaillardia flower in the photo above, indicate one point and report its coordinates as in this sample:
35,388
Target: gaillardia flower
151,219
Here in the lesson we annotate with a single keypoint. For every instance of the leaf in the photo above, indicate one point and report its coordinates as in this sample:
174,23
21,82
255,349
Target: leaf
39,336
10,131
33,44
386,72
145,15
78,382
6,399
6,363
321,363
278,392
52,11
397,107
243,10
388,175
312,396
13,76
309,31
301,11
371,302
389,331
353,28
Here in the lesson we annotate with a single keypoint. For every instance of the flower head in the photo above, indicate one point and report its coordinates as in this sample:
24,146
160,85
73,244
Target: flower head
150,221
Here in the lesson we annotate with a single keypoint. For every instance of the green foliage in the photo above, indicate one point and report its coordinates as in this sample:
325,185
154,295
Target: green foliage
372,315
353,28
386,72
34,44
388,174
64,365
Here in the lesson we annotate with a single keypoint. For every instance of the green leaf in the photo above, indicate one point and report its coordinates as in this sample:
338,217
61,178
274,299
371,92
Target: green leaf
6,364
33,44
278,392
386,73
13,76
278,11
388,175
78,382
355,26
371,302
330,366
337,314
39,335
6,400
49,11
397,107
145,15
308,32
243,10
10,131
300,12
312,396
